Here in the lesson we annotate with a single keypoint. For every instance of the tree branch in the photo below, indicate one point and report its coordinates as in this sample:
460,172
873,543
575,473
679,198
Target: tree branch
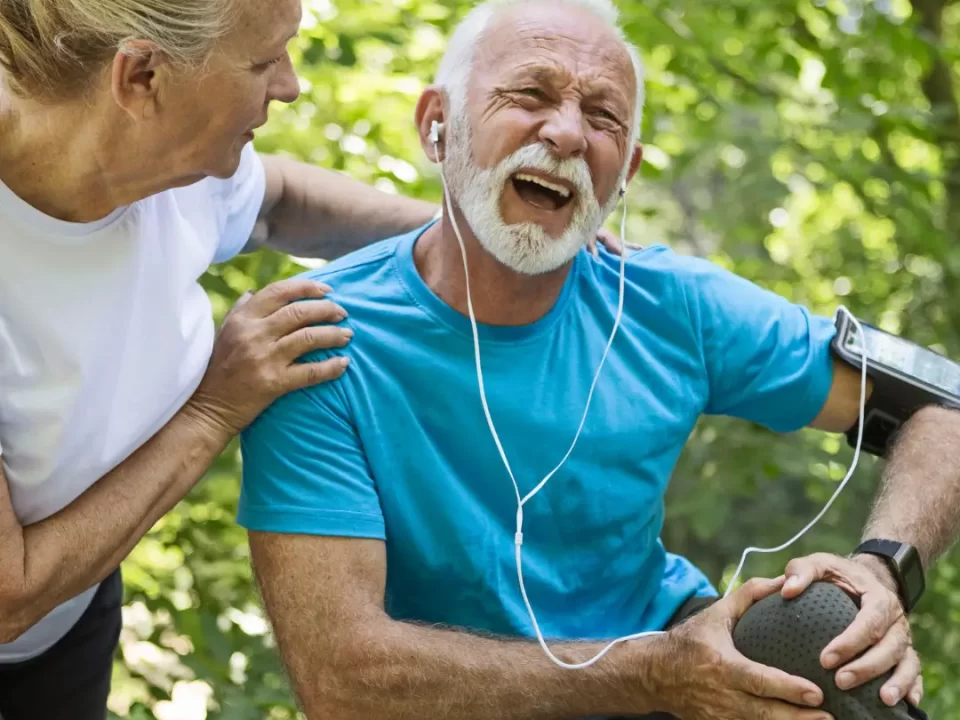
939,90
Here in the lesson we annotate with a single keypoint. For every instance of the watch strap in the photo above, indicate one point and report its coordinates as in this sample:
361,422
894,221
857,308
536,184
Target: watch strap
897,555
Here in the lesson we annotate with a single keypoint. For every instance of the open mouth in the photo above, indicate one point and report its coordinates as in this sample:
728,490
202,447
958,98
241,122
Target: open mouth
540,192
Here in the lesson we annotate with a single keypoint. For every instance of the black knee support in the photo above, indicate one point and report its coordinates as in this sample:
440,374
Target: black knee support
791,634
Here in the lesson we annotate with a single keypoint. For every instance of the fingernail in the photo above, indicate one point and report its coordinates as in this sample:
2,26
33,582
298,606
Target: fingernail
831,660
845,680
342,315
793,582
892,694
324,287
915,698
812,699
348,333
344,362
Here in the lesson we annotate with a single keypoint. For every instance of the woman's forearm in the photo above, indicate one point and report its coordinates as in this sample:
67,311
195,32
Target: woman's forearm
317,213
45,564
254,361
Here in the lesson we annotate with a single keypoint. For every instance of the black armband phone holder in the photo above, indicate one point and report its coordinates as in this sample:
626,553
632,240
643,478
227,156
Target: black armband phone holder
906,377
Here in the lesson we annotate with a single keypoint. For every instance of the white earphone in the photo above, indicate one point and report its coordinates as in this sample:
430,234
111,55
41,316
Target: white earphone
436,130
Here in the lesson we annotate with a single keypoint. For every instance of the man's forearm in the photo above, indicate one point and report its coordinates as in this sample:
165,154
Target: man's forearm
44,564
323,214
396,671
919,501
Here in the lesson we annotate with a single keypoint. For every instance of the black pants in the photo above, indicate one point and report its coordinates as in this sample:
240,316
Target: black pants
71,680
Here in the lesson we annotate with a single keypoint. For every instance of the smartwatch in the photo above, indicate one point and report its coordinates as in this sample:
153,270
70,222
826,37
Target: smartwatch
905,566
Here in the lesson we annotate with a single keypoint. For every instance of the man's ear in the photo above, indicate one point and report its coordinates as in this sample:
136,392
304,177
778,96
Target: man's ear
430,109
134,81
635,162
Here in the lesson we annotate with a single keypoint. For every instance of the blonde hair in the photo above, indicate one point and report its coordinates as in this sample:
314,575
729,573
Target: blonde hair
50,49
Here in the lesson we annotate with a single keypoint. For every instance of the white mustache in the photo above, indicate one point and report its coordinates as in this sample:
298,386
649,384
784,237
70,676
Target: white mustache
537,157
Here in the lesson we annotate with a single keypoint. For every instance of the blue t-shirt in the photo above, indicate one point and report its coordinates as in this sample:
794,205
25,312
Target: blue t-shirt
398,449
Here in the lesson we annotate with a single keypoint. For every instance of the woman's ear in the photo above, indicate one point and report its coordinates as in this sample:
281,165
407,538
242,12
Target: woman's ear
134,79
429,120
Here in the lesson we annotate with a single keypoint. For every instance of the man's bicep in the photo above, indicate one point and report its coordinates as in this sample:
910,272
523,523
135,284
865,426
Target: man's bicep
317,534
309,580
305,469
768,360
319,593
841,411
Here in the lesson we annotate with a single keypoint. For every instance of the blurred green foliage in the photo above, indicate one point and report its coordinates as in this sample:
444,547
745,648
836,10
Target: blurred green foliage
812,146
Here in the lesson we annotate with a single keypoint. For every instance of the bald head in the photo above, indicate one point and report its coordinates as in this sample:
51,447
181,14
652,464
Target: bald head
554,22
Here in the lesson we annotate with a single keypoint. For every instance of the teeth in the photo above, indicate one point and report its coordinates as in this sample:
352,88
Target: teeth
558,189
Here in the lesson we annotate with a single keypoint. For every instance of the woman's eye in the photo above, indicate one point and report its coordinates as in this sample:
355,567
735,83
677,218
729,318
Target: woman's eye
268,63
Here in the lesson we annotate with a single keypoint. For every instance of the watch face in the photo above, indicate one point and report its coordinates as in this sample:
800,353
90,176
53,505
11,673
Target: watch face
905,564
911,571
913,577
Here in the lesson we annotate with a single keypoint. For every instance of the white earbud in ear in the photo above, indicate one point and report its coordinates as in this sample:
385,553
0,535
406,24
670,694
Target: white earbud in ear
436,129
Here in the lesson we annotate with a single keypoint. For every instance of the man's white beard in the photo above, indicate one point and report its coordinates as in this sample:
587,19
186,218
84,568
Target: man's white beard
523,247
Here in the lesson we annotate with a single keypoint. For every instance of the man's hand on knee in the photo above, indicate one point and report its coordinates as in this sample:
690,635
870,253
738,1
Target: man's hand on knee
706,677
878,640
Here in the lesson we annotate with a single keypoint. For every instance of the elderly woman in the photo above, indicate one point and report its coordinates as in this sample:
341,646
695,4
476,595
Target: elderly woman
126,169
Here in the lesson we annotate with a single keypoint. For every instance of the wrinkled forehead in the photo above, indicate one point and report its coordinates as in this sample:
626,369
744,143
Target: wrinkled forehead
565,44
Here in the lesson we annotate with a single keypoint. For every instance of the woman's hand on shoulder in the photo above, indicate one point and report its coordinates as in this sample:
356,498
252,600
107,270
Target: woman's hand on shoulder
255,356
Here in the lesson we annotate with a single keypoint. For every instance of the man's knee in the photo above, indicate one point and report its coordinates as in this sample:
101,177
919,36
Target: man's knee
791,635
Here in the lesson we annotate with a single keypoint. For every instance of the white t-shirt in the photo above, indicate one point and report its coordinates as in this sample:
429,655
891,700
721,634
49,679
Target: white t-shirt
104,334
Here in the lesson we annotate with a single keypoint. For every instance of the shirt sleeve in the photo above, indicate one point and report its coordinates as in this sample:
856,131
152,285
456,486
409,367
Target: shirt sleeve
768,360
238,201
305,470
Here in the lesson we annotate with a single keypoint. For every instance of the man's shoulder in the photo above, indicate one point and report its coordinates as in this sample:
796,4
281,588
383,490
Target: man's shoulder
359,265
693,275
367,283
659,269
662,258
370,267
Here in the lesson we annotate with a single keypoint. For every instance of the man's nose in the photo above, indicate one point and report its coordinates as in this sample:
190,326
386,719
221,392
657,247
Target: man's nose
286,85
563,133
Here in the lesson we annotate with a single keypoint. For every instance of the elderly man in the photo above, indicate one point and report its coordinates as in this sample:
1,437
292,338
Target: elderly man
381,510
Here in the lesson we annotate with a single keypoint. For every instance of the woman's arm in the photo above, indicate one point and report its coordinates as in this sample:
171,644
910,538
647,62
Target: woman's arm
254,361
316,213
45,564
